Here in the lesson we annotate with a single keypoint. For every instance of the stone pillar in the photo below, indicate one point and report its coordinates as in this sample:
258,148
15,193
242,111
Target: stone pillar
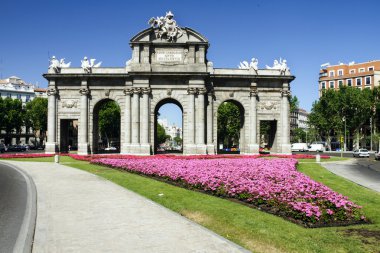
127,121
51,144
189,147
144,126
200,121
83,120
210,144
285,122
253,146
136,121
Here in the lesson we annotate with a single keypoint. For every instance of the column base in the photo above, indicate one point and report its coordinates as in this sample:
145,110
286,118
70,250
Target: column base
253,148
125,149
189,149
210,148
83,148
286,149
201,149
145,149
51,148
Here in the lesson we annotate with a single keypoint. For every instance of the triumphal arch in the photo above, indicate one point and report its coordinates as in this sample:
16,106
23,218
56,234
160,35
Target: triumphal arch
169,64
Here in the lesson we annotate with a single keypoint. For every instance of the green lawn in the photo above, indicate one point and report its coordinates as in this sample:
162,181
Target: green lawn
251,228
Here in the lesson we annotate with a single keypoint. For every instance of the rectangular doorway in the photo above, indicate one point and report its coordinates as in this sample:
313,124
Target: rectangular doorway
268,129
69,135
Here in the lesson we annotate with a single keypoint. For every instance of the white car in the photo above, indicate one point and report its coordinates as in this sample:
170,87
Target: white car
377,155
317,148
299,147
361,153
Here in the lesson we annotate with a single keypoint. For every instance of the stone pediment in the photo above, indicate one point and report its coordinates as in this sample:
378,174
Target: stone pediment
149,35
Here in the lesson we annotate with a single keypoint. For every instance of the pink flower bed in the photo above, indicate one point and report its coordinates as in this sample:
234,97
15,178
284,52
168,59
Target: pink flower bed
24,155
273,185
190,157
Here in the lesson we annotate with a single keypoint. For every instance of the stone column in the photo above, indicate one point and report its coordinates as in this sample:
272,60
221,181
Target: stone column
253,146
51,144
127,121
210,144
285,111
136,119
144,126
83,121
191,121
200,121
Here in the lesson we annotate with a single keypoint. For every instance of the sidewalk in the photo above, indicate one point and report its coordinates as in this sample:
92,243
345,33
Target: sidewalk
355,172
81,212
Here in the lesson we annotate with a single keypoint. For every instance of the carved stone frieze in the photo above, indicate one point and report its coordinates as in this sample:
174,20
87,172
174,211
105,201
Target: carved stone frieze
268,105
71,103
128,92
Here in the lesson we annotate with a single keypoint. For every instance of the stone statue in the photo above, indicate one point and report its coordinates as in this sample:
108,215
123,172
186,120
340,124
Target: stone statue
252,65
279,65
88,65
56,65
167,27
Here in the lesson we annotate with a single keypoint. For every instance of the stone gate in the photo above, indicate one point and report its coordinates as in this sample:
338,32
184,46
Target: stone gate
169,64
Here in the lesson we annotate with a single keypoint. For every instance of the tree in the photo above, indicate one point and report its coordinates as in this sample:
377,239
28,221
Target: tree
36,114
178,140
294,104
229,124
161,134
109,121
13,117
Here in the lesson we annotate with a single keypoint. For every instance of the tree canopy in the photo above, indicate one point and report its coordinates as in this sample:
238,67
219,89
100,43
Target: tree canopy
109,121
161,134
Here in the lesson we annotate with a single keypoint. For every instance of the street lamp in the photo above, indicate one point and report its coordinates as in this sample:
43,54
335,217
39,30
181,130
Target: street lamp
344,120
370,122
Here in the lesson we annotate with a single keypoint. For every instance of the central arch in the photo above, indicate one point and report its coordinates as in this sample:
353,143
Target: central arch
226,143
106,141
156,112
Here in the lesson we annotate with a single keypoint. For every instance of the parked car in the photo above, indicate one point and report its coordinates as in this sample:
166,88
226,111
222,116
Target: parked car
317,148
2,148
377,155
360,153
299,147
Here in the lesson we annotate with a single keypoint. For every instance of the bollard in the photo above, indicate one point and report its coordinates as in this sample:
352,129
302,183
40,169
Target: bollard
318,158
56,158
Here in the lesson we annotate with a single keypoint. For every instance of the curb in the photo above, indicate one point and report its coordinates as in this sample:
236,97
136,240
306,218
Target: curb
25,237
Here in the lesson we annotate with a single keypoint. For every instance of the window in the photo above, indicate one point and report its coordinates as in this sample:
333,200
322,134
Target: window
340,72
9,95
331,73
19,96
358,81
370,68
361,70
27,99
340,83
367,80
349,82
352,71
332,84
323,85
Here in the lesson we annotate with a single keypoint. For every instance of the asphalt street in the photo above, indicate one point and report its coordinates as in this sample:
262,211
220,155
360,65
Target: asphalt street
13,199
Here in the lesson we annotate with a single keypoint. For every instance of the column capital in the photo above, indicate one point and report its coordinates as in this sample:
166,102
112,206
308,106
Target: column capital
84,91
128,92
52,92
202,91
286,93
145,90
253,92
191,91
136,90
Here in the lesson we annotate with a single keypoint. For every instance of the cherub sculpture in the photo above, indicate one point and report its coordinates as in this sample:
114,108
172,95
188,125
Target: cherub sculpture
279,65
56,65
167,27
252,65
88,65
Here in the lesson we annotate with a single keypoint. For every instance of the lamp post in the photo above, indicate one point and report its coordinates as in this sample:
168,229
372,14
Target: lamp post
370,122
344,120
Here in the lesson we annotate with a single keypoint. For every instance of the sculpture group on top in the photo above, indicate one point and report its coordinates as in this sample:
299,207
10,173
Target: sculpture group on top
167,27
88,65
56,65
278,65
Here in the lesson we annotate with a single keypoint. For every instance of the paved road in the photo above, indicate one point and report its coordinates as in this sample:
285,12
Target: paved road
13,200
80,212
363,171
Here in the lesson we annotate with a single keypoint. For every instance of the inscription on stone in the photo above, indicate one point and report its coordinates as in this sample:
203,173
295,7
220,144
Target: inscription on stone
169,56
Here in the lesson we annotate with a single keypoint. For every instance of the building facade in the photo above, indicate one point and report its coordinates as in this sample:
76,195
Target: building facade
364,75
169,65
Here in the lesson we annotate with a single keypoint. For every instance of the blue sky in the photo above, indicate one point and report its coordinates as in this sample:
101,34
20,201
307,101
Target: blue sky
306,33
